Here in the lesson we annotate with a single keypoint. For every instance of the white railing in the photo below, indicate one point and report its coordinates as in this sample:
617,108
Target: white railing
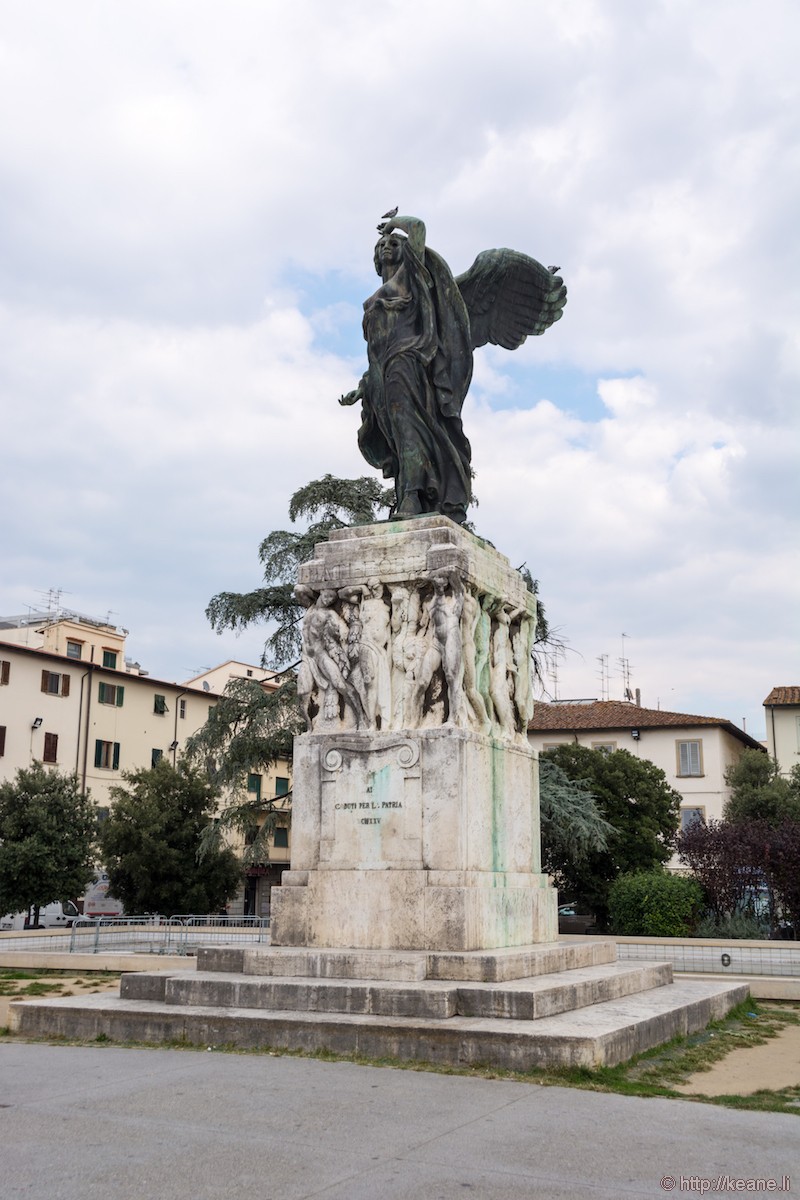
179,934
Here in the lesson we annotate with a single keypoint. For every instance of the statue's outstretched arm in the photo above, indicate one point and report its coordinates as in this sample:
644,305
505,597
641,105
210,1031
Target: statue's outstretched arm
411,226
356,394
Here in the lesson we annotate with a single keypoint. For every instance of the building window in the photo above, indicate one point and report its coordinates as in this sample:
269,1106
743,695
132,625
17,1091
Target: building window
254,785
249,673
106,755
690,816
110,693
281,786
160,705
2,740
5,671
607,746
690,758
54,684
155,757
110,659
182,709
550,746
281,837
50,754
74,649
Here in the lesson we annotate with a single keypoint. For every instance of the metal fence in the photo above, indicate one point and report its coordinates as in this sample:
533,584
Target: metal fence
179,934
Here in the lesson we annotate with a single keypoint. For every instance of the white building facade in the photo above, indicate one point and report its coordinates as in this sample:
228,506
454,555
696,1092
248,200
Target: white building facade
782,711
693,752
69,699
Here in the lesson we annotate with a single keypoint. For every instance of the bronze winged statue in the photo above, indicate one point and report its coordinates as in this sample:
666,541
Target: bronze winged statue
421,327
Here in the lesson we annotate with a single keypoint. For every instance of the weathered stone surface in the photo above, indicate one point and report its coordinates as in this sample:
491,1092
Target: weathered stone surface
415,813
605,1033
415,625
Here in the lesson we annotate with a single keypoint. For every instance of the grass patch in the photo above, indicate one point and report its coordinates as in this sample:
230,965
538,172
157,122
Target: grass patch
39,988
16,983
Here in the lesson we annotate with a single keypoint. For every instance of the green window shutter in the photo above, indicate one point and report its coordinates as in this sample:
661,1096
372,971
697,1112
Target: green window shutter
98,753
120,694
115,763
45,681
101,693
65,685
281,786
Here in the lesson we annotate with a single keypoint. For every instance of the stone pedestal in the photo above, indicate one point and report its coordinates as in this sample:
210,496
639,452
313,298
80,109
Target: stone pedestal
415,817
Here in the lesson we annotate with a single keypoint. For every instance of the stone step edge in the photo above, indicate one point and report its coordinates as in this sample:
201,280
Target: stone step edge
543,997
529,999
607,1034
494,966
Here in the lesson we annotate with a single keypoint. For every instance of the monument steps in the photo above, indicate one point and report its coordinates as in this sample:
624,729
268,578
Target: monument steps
527,999
605,1033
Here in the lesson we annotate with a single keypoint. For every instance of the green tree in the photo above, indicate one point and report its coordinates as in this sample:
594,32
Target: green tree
759,792
48,830
151,842
248,730
633,796
572,826
329,503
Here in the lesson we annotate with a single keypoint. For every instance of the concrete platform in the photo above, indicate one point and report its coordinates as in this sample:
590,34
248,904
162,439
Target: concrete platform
605,1033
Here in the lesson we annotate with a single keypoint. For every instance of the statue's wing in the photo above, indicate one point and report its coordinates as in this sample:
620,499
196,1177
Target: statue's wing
509,296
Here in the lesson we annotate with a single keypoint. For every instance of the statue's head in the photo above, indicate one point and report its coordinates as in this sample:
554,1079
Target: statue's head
389,250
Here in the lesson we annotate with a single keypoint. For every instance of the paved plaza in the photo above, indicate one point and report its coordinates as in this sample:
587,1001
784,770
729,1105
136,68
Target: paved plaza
134,1124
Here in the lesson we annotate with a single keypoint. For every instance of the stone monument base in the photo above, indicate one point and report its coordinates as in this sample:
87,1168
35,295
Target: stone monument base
558,1005
422,841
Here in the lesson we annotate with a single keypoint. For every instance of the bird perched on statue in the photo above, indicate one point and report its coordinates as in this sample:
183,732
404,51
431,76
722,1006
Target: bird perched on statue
387,216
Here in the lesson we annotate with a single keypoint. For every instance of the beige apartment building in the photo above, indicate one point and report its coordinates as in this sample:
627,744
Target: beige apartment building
782,711
70,699
693,752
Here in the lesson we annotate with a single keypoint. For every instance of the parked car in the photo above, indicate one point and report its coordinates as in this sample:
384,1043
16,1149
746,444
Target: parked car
575,917
58,915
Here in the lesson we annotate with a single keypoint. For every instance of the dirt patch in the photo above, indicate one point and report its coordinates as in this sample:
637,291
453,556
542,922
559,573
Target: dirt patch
63,985
773,1065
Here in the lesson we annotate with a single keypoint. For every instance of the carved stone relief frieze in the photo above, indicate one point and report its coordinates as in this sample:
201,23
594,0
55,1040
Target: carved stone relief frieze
436,650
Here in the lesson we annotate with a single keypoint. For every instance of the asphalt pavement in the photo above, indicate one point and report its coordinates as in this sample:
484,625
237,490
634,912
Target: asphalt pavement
80,1122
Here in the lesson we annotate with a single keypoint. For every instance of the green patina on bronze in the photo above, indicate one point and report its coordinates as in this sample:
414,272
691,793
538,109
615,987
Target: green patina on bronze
421,327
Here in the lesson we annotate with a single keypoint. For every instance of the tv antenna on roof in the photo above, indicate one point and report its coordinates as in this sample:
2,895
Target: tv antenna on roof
625,667
603,673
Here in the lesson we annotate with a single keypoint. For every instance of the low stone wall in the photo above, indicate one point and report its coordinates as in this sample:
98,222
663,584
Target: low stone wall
772,969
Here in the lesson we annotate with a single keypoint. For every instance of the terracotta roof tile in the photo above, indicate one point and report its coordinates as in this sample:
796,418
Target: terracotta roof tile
602,715
783,695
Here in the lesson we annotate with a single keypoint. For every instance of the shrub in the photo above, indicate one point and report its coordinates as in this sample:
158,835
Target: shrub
654,904
740,925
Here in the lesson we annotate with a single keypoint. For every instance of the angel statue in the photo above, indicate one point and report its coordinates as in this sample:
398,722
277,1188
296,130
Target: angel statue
421,327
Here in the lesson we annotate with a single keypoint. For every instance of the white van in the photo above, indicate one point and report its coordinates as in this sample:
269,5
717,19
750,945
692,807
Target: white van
58,915
98,902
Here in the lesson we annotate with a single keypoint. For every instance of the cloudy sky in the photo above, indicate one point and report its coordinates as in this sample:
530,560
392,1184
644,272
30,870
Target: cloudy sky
188,199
